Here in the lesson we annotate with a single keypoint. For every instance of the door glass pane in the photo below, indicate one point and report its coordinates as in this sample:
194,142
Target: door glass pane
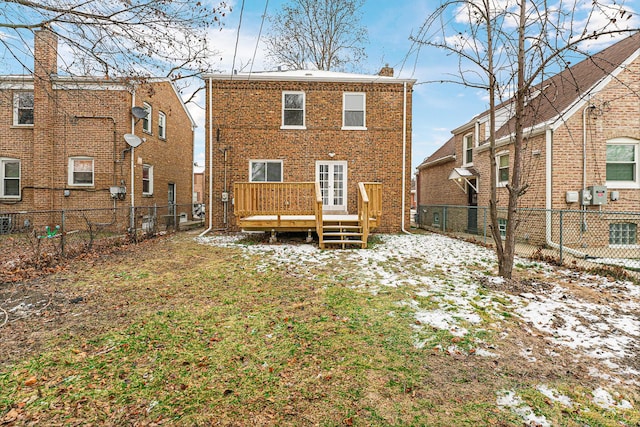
324,183
338,179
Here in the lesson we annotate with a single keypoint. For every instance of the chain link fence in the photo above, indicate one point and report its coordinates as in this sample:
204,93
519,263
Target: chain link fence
41,239
584,237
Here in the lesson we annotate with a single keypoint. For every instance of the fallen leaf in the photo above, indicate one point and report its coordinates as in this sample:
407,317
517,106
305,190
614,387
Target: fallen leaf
31,382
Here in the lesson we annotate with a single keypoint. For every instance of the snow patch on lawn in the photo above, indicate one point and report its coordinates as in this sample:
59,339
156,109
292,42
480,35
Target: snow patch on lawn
509,400
445,274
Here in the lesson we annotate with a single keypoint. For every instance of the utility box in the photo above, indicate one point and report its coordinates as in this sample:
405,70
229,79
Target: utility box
572,197
598,194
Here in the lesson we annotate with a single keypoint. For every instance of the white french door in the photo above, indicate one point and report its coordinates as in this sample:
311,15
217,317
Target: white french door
332,176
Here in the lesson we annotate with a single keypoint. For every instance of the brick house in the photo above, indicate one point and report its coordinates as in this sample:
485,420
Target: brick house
336,129
581,151
63,142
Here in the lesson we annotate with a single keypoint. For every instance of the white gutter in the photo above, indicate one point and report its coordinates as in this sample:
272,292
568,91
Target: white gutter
132,220
404,155
210,208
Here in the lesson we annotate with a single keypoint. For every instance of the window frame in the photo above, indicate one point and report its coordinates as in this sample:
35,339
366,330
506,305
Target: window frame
16,108
71,171
162,125
364,111
499,182
502,227
628,232
3,178
635,183
266,162
147,122
149,191
467,146
304,110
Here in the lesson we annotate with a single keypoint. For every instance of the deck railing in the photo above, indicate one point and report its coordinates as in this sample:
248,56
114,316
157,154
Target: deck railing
275,198
374,194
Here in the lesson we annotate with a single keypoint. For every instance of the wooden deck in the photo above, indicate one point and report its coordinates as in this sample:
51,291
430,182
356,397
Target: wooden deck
297,206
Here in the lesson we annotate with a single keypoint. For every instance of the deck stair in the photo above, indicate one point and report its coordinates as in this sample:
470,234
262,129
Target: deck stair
342,232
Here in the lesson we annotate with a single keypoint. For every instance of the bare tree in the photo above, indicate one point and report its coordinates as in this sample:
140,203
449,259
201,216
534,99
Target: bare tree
324,34
137,38
508,47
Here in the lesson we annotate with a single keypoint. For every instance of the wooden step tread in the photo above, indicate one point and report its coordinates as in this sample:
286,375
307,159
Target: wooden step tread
342,234
338,227
347,242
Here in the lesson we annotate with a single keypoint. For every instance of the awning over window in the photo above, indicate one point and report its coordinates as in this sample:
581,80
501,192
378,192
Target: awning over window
464,174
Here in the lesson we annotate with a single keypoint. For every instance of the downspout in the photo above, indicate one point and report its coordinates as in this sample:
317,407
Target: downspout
404,156
132,220
210,131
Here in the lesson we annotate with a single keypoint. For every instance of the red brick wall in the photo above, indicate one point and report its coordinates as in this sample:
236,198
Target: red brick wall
249,116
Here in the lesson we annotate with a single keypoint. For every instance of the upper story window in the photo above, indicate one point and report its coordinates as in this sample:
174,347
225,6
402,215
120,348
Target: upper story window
147,180
10,178
266,170
354,111
468,149
146,121
162,125
81,171
293,105
502,165
622,163
23,109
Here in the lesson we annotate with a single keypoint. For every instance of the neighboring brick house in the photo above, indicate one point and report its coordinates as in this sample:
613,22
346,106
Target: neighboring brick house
334,128
62,142
582,150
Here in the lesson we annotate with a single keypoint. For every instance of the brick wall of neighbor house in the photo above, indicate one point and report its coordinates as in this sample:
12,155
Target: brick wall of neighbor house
249,116
172,157
437,189
89,117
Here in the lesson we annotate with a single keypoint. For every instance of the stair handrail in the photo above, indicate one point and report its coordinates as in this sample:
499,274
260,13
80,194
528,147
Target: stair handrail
318,214
363,211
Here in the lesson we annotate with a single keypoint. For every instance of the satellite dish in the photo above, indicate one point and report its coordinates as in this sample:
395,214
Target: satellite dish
139,112
132,139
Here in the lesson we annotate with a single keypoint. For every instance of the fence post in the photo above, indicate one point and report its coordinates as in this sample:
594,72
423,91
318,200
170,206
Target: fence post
444,219
561,234
62,233
484,214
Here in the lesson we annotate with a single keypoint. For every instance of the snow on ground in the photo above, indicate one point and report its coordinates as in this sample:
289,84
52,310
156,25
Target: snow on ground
448,274
509,399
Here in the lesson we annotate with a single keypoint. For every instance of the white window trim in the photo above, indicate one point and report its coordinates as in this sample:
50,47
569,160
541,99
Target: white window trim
364,110
162,125
4,160
304,110
15,110
498,182
149,118
70,171
626,184
252,161
150,192
467,138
